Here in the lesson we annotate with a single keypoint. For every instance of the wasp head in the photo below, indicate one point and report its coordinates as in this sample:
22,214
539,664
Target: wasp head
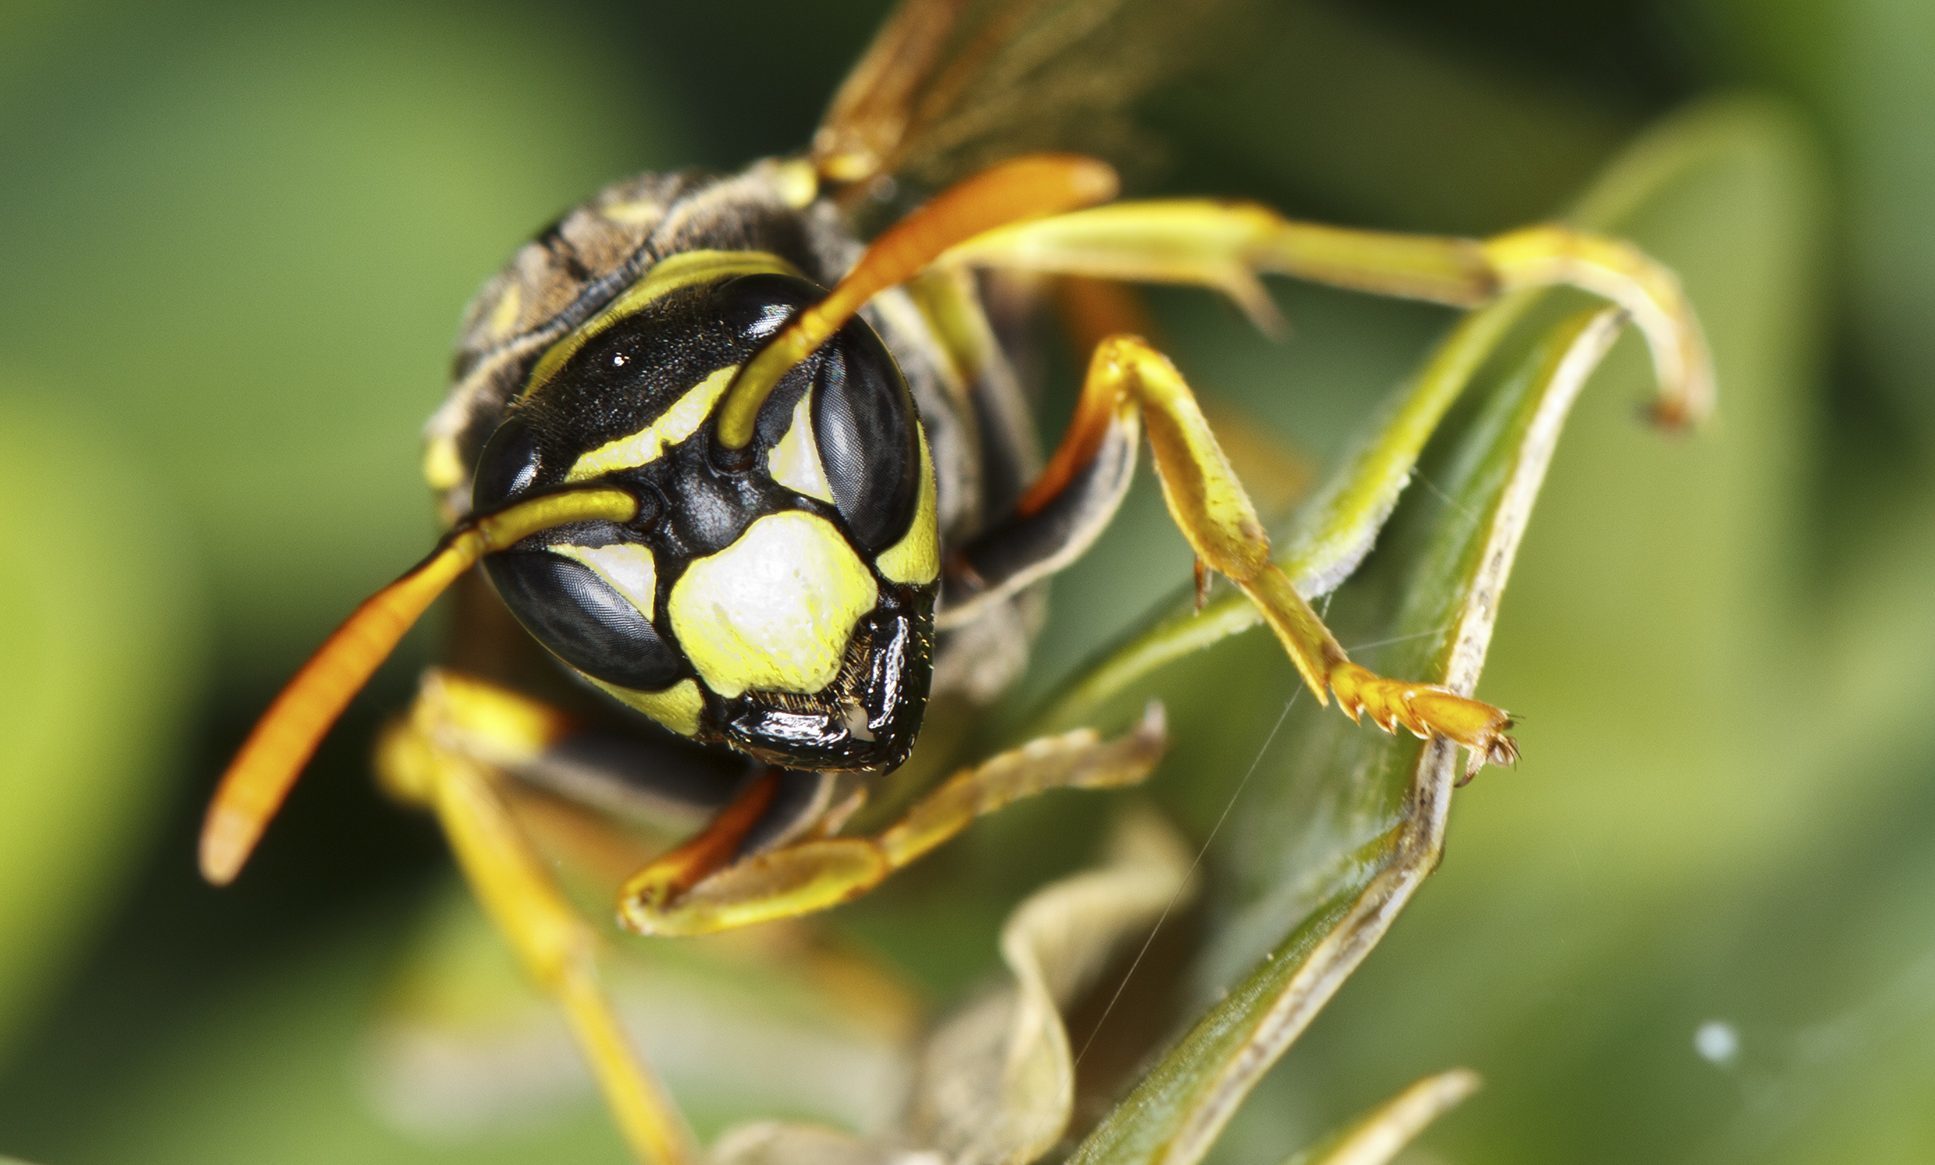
776,598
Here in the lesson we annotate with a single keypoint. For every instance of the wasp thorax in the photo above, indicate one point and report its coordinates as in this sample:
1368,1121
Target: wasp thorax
777,598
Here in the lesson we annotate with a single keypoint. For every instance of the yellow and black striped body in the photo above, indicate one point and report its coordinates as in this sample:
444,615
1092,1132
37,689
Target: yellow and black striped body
778,599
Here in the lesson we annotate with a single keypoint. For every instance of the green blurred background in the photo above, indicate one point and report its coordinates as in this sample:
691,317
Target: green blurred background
1697,923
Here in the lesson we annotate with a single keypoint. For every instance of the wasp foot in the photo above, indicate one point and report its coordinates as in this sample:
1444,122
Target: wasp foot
1428,712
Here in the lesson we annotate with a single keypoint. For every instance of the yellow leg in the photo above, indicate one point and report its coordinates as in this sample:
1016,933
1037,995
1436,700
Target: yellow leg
1092,310
446,756
1131,383
671,875
818,873
1226,245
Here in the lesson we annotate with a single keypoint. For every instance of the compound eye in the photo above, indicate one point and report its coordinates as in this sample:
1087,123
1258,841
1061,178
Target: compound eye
508,466
863,416
590,605
864,424
754,307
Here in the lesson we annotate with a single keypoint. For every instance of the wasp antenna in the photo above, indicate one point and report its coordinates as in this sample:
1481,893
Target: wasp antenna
260,776
258,780
1017,190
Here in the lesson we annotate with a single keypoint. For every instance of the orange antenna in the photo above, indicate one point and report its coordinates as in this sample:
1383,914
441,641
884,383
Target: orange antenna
1015,191
266,767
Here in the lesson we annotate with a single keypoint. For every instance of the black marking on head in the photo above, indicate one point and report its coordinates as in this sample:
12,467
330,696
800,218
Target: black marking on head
509,466
712,505
864,423
625,378
698,211
583,620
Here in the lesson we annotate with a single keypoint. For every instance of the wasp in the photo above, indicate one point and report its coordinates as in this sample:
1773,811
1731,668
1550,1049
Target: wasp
763,479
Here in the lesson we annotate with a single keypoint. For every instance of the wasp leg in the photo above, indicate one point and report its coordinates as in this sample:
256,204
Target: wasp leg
672,874
1092,310
819,872
1130,383
1226,245
449,755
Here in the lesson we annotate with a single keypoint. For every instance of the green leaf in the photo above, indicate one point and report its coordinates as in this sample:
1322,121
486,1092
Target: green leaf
1431,594
1360,818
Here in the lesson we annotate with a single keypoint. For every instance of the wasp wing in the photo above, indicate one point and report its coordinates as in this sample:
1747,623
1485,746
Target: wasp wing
950,86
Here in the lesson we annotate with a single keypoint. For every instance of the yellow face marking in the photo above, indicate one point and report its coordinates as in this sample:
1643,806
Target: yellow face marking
676,707
625,567
916,558
649,443
795,461
666,276
773,611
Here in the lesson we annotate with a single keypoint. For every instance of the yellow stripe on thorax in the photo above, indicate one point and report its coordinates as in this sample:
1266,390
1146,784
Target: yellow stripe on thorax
686,269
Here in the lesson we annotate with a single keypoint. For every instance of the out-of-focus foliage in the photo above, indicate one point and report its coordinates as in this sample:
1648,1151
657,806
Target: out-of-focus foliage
103,632
1691,926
